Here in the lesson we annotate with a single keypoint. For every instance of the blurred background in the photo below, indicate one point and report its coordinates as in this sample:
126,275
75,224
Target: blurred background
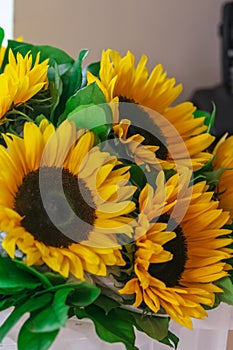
180,34
183,35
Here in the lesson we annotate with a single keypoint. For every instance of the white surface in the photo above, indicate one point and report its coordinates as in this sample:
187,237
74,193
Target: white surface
79,335
7,18
211,333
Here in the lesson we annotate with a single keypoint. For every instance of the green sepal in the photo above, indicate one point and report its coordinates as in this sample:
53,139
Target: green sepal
209,117
39,119
212,178
198,174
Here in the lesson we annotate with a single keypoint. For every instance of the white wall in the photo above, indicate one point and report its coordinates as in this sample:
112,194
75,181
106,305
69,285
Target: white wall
180,34
7,18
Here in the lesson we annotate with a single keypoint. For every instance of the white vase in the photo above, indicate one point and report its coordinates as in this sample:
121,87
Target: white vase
211,333
77,335
80,335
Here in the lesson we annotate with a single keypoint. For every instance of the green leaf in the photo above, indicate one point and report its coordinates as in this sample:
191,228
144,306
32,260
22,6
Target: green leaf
226,285
55,54
213,177
39,119
7,301
89,117
171,340
32,271
89,95
26,305
2,34
116,326
14,278
92,117
46,51
54,278
55,88
94,68
53,316
155,327
88,109
208,167
106,303
75,74
83,295
212,119
35,341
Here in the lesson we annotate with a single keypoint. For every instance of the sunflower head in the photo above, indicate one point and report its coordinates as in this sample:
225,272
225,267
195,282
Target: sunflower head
120,79
178,257
20,81
64,201
224,160
140,94
29,78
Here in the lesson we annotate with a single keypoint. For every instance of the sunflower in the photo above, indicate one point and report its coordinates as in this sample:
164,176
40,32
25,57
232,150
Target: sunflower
224,159
21,80
2,54
30,78
7,90
134,150
63,201
121,81
179,253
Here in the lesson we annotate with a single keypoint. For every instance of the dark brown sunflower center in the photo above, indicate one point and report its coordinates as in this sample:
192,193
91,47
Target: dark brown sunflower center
51,215
142,124
171,271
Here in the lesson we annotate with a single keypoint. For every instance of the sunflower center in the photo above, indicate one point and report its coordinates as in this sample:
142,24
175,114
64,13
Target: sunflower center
149,130
47,218
171,271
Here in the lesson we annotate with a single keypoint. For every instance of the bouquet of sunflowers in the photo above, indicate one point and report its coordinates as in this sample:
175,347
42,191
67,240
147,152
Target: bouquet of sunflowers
116,203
